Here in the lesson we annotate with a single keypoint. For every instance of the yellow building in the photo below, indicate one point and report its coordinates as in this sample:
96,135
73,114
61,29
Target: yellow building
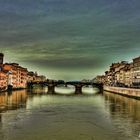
136,70
129,75
113,76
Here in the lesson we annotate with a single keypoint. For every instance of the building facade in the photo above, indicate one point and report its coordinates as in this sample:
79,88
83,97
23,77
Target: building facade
3,81
17,75
136,72
119,75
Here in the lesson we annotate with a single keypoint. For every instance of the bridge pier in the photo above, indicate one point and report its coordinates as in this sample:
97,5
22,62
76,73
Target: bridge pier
29,86
78,89
101,89
51,89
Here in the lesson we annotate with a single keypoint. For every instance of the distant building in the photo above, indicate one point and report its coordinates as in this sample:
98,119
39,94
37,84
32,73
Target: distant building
34,77
40,78
136,72
31,76
119,72
108,78
113,75
128,80
100,79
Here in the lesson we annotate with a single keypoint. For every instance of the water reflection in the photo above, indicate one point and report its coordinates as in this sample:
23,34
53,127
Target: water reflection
62,90
65,90
124,111
127,107
29,115
14,100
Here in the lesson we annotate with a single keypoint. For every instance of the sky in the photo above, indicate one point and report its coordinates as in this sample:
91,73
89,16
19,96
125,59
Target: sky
69,39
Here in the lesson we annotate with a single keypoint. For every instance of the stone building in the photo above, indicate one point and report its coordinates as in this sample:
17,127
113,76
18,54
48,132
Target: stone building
136,72
129,75
108,78
118,75
113,75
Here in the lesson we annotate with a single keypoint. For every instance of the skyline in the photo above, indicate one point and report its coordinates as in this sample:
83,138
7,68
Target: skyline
66,39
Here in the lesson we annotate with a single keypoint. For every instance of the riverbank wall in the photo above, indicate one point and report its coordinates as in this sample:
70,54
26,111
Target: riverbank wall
129,92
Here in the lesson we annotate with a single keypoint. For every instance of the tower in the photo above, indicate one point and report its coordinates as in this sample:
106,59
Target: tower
1,58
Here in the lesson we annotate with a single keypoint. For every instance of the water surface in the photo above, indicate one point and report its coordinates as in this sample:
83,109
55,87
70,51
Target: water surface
36,115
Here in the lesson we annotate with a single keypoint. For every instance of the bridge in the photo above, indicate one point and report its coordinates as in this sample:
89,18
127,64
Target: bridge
79,85
51,84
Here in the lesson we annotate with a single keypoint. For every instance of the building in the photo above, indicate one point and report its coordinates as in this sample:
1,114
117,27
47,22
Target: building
136,72
129,75
115,68
100,79
3,81
35,77
22,77
40,78
118,75
31,76
112,77
17,75
3,75
12,74
108,78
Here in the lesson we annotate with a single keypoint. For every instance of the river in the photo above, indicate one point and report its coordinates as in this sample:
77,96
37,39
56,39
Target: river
36,115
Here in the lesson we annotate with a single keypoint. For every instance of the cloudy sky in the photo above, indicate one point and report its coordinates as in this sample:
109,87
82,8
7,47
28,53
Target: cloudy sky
69,39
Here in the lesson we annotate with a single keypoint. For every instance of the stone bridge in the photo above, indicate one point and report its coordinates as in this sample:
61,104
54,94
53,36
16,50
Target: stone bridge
77,84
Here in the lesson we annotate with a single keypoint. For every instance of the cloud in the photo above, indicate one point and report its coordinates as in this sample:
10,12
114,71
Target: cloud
68,35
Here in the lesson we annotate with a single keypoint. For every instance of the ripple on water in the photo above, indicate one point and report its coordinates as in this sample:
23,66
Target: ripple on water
82,117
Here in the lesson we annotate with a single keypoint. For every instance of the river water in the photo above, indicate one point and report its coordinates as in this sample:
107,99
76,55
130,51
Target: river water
36,115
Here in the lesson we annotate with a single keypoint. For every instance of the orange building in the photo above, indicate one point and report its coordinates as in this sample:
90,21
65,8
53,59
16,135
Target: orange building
3,81
17,75
23,77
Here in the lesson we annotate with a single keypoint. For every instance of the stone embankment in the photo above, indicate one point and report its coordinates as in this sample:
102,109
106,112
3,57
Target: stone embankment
130,92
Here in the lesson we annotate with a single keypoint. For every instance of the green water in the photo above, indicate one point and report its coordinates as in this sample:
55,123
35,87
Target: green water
38,116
